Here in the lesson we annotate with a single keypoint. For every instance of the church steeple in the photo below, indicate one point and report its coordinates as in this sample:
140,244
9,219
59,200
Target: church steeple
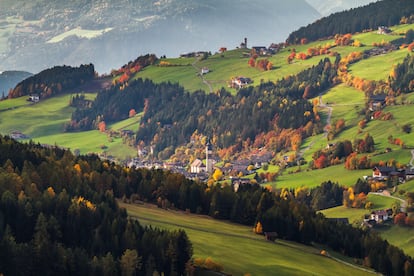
209,160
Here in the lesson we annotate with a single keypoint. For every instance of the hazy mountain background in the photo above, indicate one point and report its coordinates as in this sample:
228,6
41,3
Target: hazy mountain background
326,7
39,34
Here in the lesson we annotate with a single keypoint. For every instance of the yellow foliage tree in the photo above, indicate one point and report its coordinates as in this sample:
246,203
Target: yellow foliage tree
217,175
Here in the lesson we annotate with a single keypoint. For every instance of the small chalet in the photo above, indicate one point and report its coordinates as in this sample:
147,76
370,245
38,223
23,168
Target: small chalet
197,166
409,173
270,236
240,82
33,98
382,172
377,102
384,30
237,182
204,70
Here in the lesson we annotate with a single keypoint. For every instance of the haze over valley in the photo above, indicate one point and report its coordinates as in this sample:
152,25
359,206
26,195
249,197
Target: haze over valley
35,35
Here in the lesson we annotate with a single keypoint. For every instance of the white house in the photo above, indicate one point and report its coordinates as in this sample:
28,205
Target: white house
204,70
197,166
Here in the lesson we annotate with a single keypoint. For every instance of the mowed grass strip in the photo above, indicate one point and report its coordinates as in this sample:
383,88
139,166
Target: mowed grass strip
238,249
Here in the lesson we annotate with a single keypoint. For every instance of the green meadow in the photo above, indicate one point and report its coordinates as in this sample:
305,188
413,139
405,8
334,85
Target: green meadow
357,215
44,122
238,249
400,236
313,178
223,67
378,67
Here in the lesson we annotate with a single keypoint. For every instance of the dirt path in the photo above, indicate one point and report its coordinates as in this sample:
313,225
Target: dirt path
403,202
412,159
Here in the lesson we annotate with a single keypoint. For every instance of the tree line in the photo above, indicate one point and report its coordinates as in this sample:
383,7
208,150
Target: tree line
370,17
54,80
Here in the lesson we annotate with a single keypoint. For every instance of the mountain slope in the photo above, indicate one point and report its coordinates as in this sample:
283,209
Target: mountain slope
331,6
40,34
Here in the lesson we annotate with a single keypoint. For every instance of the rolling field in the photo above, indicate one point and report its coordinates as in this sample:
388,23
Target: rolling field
43,122
238,249
378,67
225,66
314,178
353,214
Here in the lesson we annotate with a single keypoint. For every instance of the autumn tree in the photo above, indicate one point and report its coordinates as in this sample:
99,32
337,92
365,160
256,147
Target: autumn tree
132,112
102,126
400,219
217,175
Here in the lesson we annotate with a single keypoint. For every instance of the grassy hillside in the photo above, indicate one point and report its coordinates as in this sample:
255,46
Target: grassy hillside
43,122
238,249
346,103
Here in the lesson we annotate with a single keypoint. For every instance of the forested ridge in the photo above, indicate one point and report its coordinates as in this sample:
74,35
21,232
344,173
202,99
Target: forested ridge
370,17
172,115
54,80
58,214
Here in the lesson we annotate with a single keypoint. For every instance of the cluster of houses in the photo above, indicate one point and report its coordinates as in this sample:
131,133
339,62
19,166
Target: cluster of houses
384,30
384,173
377,217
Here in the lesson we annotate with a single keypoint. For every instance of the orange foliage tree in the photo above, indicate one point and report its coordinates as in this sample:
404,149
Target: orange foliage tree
102,126
132,113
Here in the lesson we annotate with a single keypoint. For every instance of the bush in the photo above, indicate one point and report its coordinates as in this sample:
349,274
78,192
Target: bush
406,128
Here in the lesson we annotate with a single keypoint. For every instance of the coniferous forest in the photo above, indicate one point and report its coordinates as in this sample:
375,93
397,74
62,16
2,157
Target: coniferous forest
58,214
380,13
54,81
171,115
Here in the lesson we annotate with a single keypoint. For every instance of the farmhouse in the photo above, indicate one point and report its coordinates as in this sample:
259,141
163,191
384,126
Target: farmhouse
377,102
384,30
204,70
237,182
381,215
240,82
33,98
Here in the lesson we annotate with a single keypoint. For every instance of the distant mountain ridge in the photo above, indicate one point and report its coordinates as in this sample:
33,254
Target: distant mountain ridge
9,79
108,32
327,7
